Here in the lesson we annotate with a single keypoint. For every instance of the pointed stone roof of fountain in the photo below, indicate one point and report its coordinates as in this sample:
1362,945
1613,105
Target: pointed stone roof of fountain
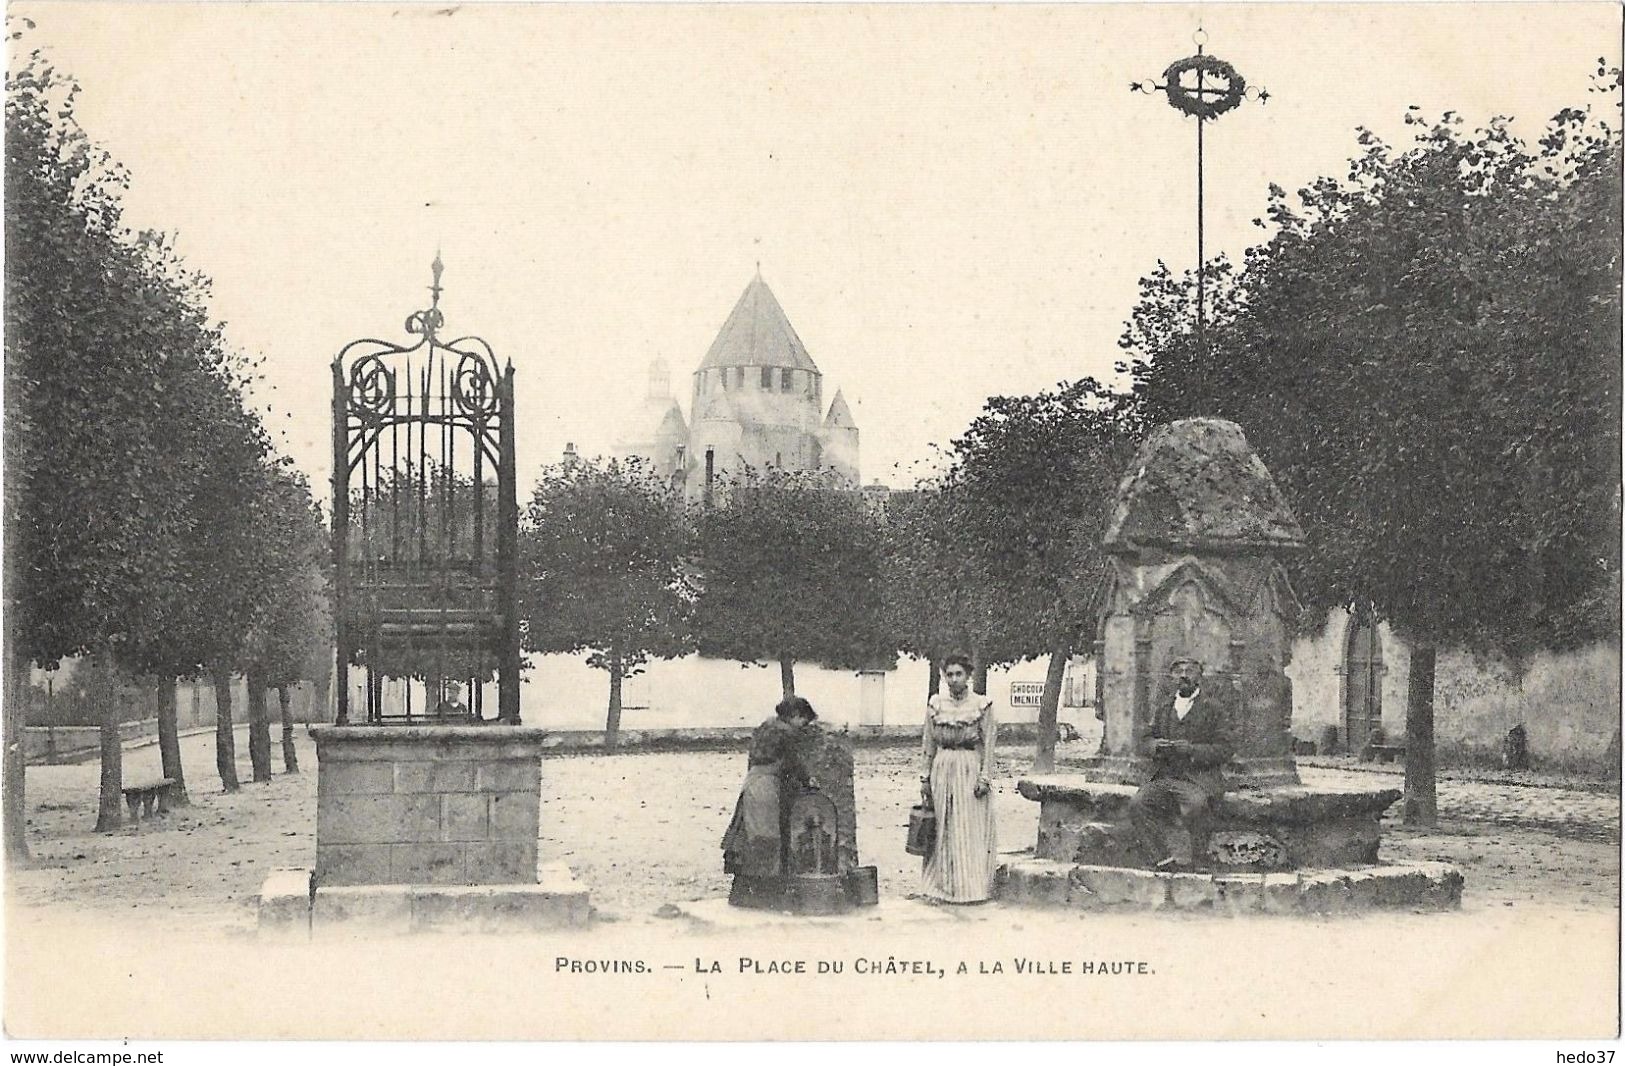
1197,485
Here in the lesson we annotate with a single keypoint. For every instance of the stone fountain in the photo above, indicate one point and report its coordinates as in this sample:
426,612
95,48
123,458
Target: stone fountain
1197,542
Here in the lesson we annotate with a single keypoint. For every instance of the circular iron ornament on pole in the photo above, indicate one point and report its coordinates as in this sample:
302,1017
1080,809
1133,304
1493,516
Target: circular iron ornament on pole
1221,87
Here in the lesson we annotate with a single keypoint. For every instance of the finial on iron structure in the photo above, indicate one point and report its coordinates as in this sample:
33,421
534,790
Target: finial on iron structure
424,323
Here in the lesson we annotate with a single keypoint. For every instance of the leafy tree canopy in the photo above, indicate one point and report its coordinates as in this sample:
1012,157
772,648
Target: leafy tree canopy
790,568
1426,354
602,561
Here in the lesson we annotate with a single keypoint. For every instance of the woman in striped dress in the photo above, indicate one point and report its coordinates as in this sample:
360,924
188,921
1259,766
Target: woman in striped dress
957,784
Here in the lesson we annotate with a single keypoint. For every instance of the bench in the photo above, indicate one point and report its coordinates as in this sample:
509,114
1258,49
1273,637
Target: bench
149,798
1385,753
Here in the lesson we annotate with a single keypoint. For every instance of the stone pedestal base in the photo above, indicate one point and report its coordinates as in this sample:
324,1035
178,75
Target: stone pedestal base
1410,886
1288,828
293,906
435,805
422,828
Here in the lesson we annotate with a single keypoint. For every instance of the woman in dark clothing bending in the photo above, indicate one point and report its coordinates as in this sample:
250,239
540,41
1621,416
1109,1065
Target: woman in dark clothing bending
753,847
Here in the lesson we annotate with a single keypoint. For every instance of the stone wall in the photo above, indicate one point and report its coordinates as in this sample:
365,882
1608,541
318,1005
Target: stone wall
69,743
427,805
1568,702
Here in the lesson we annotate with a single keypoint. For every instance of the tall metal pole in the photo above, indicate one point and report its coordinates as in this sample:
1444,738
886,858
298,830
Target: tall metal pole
341,532
1217,88
1201,256
508,553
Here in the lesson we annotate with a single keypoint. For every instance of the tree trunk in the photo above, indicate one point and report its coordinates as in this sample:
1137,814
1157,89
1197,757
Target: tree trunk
169,741
1049,710
979,678
290,757
110,808
225,741
1420,807
612,724
14,708
787,674
259,728
934,685
324,692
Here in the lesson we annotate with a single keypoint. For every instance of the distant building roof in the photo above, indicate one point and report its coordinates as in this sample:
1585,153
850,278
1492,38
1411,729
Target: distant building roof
840,415
1196,484
657,416
757,333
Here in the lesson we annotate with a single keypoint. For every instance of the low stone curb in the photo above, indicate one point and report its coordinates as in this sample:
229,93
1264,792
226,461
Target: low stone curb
1412,886
293,907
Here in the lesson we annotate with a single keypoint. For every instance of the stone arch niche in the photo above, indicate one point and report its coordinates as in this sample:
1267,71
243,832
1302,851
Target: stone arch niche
1196,542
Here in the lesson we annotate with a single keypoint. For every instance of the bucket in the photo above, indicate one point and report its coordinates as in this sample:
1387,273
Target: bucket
817,893
863,886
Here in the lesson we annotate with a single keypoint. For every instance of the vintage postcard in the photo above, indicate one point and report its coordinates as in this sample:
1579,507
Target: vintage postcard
863,522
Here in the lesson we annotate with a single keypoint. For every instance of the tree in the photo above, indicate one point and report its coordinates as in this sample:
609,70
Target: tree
204,423
291,636
100,340
929,588
1426,355
789,568
1011,537
602,559
125,428
1035,481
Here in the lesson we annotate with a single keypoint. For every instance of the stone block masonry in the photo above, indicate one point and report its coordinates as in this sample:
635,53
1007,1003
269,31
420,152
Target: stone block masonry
292,909
1425,886
431,805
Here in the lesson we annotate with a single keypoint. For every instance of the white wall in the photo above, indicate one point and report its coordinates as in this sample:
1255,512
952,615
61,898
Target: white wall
563,692
1568,702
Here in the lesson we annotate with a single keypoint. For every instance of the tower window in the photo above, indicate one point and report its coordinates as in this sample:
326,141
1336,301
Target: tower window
786,379
740,380
725,379
767,377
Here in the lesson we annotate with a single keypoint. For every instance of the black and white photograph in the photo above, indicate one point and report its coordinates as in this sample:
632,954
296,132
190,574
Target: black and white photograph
811,522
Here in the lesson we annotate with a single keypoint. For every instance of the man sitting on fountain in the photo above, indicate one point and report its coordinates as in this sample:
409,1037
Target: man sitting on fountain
1189,743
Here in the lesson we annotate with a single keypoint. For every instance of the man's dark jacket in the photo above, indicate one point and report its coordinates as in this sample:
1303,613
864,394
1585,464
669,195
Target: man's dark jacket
1207,726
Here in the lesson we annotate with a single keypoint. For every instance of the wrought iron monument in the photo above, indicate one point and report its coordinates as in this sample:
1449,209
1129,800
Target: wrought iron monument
425,545
1202,87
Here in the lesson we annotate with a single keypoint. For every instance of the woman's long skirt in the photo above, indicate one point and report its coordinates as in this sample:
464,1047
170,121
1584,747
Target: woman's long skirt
960,869
751,848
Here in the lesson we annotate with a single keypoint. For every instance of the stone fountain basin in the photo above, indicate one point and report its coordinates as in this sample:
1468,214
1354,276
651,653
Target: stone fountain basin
1291,827
1422,886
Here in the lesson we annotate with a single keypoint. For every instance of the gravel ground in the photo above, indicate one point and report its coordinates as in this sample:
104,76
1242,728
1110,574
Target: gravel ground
642,830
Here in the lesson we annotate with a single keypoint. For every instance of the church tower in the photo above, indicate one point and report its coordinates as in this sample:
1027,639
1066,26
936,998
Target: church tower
657,433
757,401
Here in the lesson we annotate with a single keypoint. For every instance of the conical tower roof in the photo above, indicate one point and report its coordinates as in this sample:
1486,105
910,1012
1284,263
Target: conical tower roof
757,333
840,415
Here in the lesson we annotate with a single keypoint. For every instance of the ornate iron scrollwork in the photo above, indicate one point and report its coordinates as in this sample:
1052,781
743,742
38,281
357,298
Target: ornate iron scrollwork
372,387
424,323
425,545
473,389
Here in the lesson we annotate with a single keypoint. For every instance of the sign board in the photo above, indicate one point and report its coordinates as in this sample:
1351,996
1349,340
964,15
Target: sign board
1026,693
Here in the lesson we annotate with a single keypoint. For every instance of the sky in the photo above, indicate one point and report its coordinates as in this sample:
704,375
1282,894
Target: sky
950,202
